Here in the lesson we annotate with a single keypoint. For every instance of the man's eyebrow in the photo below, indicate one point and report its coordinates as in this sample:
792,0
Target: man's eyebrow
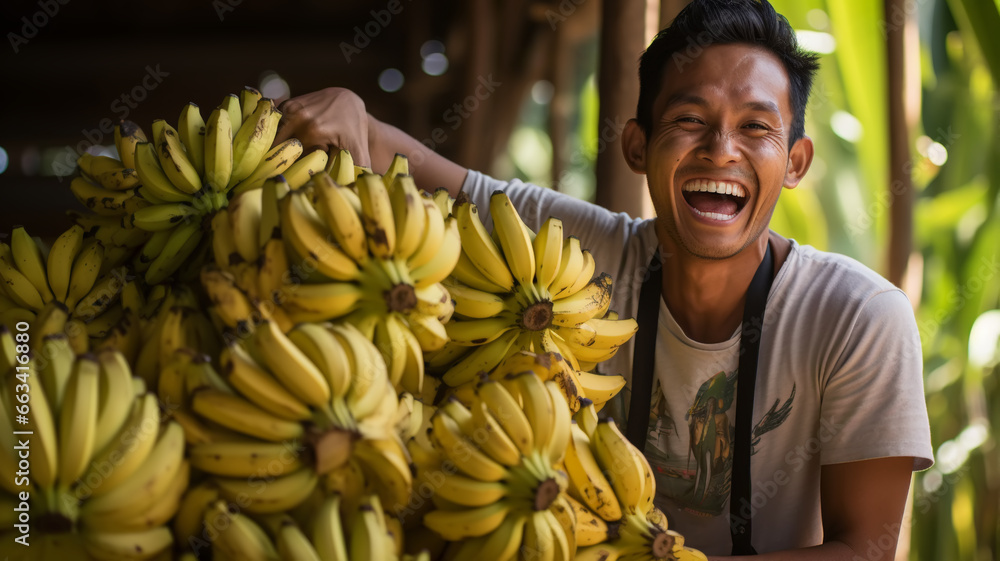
685,98
766,106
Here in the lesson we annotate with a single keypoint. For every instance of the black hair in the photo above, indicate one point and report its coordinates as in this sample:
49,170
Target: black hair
718,22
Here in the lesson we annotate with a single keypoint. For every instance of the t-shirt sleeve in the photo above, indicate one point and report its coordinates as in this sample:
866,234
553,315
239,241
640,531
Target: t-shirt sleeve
601,231
873,403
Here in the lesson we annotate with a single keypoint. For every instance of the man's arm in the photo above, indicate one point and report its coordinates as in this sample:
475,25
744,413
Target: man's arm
862,504
336,118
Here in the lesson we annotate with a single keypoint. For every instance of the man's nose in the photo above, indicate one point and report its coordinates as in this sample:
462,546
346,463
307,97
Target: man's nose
720,147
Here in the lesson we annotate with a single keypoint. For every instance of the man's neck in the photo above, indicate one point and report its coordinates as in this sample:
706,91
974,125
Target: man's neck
706,296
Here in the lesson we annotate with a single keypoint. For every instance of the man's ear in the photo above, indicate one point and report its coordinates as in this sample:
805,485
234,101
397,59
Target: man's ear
634,146
800,157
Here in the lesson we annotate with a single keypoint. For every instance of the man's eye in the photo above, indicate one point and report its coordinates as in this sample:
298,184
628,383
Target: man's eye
757,126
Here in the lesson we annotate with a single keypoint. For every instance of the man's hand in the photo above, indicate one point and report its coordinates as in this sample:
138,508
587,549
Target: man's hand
336,118
329,119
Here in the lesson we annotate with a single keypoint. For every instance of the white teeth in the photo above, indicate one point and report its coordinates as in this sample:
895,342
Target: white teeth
714,215
722,187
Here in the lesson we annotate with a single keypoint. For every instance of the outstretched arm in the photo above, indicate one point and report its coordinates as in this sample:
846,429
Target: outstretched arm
336,118
862,509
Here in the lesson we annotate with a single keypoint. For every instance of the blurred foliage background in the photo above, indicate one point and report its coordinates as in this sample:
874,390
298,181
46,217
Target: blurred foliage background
843,206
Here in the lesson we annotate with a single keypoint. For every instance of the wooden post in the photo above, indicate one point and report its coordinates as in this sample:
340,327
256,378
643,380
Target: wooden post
482,60
622,34
900,184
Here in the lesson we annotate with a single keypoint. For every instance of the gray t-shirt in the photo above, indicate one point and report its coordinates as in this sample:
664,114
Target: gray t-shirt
839,379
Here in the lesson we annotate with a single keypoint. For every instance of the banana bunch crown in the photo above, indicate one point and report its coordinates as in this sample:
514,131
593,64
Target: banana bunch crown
71,287
517,290
498,490
102,465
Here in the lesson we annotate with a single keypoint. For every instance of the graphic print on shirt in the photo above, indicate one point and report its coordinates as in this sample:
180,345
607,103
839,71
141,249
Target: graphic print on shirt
694,467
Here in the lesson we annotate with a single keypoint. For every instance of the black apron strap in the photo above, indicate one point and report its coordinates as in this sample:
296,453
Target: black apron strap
643,354
643,361
746,380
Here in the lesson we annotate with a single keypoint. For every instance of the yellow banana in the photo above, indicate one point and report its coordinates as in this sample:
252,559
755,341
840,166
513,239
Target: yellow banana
231,105
163,217
320,302
442,265
277,495
153,177
570,268
253,139
245,213
408,213
398,166
219,149
474,303
481,360
127,136
175,163
592,300
515,239
303,228
272,190
325,351
299,173
291,366
259,386
462,452
247,459
29,260
273,164
60,260
328,534
239,414
78,420
477,244
340,168
191,131
432,237
249,98
344,222
376,212
456,525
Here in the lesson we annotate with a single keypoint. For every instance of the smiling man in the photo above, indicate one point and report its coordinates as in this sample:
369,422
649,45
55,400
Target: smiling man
776,389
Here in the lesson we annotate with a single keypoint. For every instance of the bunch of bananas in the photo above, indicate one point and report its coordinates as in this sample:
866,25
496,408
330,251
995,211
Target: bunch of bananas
172,181
372,252
102,467
517,290
499,494
311,406
613,489
63,289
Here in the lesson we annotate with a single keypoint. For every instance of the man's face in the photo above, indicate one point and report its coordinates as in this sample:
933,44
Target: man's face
717,155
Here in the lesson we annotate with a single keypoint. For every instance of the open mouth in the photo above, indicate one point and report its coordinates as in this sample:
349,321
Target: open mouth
717,200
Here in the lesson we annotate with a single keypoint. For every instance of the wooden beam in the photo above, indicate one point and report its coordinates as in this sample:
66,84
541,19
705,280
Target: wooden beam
622,35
